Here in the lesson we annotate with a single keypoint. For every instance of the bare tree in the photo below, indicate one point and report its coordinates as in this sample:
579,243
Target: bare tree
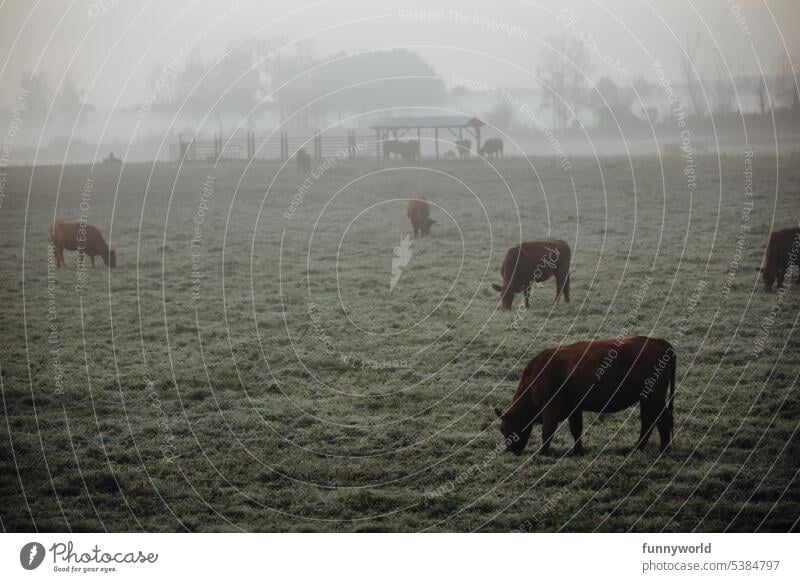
785,86
565,66
501,115
723,90
687,59
69,99
40,93
761,90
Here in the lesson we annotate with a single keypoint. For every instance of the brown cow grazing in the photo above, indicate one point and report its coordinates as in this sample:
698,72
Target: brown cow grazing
419,212
303,160
783,251
464,147
492,148
600,376
84,238
533,262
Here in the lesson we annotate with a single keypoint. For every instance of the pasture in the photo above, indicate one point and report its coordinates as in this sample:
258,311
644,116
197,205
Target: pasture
247,367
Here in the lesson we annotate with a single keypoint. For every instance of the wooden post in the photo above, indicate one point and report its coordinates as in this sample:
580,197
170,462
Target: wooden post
436,140
478,140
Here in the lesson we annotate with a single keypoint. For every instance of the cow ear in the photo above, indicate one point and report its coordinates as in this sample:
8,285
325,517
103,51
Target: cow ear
496,287
498,412
759,269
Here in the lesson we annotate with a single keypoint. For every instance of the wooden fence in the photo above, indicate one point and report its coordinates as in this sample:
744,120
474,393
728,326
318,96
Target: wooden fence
277,147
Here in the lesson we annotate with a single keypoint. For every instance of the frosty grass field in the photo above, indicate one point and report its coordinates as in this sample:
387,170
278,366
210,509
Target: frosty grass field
246,366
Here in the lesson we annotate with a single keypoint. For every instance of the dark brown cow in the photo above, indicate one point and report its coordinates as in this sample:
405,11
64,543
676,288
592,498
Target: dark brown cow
419,212
783,251
407,150
600,376
411,150
492,148
393,147
303,160
533,262
83,238
464,147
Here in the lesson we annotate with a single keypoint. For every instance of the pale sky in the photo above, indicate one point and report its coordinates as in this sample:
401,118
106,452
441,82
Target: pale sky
111,47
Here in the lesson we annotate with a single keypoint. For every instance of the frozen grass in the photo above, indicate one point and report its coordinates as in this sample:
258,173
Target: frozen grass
255,421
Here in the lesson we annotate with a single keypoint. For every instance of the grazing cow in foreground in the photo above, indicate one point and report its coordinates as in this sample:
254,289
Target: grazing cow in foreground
533,262
492,148
599,376
464,147
783,251
83,238
419,212
303,160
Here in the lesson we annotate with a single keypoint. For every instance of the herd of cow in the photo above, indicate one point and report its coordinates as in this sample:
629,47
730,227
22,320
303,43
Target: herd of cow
409,150
559,383
600,375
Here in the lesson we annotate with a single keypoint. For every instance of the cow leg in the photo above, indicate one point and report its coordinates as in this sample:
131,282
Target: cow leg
780,275
647,425
566,289
549,426
527,293
664,424
92,261
576,428
59,257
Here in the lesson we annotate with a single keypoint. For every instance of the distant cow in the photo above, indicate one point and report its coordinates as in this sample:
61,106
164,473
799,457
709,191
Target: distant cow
492,148
407,150
464,147
783,251
84,238
419,212
533,262
411,150
303,160
599,376
393,147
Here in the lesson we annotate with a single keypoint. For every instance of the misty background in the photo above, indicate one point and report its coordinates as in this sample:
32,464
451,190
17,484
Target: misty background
81,79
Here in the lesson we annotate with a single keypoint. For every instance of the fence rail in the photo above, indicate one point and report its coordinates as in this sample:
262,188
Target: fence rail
277,147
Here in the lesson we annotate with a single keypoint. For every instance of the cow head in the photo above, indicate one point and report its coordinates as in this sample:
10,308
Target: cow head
426,226
515,428
112,259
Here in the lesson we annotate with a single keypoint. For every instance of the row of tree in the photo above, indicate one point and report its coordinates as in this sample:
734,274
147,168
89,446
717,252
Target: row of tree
303,89
567,65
